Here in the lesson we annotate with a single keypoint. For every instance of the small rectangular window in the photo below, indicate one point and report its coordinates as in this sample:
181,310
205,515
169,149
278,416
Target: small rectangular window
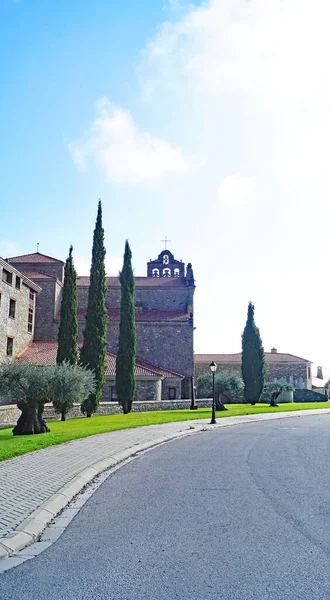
10,345
31,295
12,308
7,277
172,393
309,372
30,320
18,283
113,393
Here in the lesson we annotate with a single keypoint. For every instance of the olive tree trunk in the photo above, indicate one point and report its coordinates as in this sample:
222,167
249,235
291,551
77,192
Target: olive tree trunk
30,421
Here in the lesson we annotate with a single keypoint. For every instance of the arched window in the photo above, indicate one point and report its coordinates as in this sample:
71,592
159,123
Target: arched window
165,259
166,272
155,272
176,272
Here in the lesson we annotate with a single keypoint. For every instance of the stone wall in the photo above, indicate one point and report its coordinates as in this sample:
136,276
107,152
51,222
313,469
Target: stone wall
48,304
145,389
10,414
55,269
17,327
171,383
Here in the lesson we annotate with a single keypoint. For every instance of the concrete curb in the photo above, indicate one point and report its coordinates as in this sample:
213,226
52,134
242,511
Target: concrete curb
30,530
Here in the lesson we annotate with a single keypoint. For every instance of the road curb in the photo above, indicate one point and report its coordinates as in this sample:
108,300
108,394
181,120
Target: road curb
30,530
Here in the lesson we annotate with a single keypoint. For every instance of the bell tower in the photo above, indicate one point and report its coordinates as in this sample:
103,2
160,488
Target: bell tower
166,266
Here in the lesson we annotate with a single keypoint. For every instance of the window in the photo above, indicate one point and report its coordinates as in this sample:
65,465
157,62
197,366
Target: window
172,393
31,295
309,372
165,259
30,320
155,272
166,272
176,273
113,393
0,298
7,276
18,283
12,308
10,344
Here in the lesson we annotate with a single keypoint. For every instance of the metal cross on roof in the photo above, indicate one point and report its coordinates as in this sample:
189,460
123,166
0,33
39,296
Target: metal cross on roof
165,242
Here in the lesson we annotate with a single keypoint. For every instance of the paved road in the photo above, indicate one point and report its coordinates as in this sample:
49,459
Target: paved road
238,513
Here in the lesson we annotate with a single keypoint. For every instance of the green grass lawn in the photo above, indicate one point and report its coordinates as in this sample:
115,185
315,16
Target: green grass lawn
78,428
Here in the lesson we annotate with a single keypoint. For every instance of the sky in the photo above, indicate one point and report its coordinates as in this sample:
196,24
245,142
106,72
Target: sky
207,122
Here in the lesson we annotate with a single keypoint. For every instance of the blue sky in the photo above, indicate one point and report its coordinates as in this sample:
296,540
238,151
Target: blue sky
200,121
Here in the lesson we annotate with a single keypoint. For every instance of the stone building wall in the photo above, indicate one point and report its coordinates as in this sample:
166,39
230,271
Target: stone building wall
55,269
146,389
159,298
48,305
294,373
173,384
16,327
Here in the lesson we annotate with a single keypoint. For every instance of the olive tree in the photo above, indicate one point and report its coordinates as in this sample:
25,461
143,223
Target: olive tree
227,383
29,386
275,388
70,384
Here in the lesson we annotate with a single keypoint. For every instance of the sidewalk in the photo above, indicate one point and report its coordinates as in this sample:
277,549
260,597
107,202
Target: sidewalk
36,486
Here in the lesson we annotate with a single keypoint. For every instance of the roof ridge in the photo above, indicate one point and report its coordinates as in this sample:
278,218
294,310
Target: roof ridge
34,254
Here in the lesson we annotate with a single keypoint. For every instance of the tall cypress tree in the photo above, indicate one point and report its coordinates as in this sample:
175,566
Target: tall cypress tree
93,351
125,362
68,330
253,359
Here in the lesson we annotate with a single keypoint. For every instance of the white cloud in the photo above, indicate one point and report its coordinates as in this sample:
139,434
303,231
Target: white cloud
113,265
126,154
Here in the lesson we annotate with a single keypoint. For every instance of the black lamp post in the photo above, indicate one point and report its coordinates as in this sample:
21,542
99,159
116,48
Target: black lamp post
213,367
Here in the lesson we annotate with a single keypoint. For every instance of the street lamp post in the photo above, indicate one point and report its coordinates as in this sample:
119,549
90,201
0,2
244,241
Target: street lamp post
213,367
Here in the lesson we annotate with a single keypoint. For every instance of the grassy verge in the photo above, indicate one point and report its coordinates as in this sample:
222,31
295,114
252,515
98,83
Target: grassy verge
72,429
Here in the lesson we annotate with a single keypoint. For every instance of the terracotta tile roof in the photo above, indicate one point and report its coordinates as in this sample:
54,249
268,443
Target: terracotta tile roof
270,357
141,316
35,257
44,352
152,282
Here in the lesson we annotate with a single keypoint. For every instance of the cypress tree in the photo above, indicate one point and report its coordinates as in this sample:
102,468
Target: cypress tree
93,351
253,359
68,330
125,362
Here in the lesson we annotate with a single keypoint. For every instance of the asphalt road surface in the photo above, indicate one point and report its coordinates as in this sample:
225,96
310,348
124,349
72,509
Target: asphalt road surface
236,513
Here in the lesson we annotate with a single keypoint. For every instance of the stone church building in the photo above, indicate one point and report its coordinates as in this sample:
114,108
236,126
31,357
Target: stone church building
164,321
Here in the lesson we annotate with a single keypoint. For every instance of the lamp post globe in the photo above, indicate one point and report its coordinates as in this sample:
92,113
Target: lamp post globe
213,367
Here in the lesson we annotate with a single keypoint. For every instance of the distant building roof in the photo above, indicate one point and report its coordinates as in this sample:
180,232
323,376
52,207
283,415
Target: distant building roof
44,352
153,282
35,257
318,383
270,357
156,316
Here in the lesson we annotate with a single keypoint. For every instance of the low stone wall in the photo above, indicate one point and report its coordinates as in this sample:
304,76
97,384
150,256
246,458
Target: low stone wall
9,414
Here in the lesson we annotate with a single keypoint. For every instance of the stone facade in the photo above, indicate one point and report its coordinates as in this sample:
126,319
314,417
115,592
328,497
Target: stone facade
17,298
145,389
283,367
